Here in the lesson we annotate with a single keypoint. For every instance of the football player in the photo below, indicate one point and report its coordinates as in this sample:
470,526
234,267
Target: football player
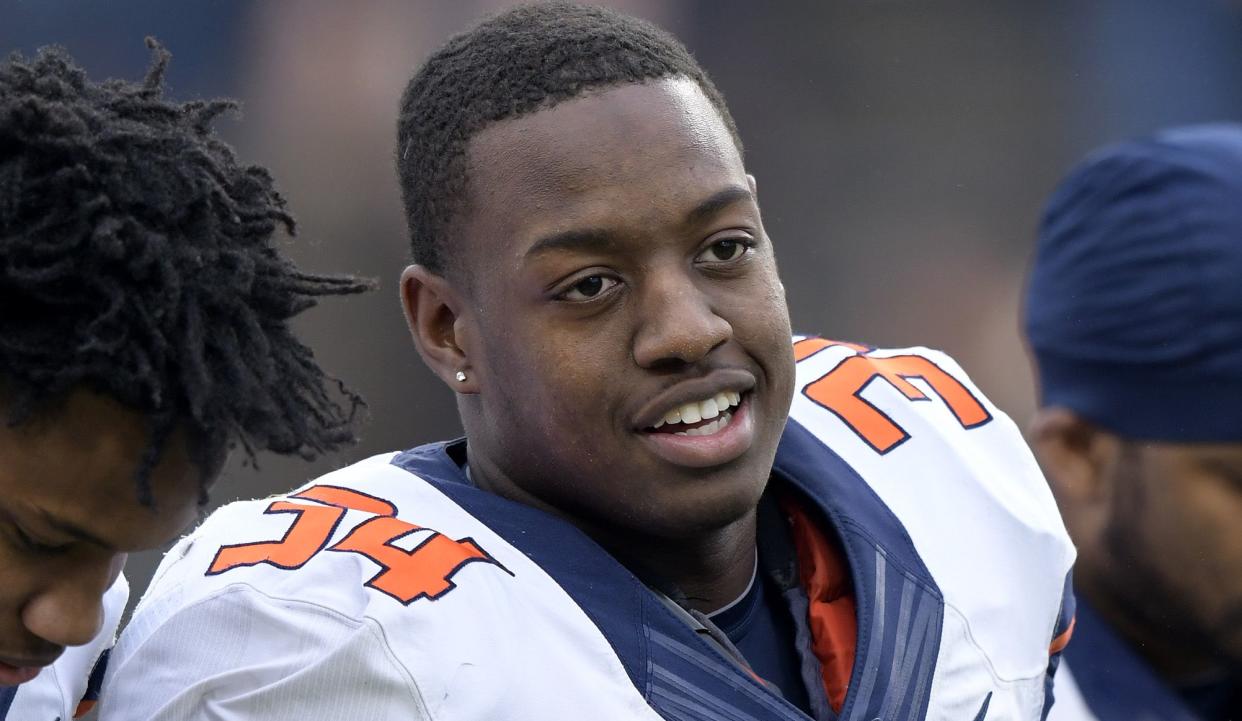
144,328
636,525
1134,315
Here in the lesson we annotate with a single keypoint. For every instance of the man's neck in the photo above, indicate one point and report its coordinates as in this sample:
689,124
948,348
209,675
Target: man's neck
707,570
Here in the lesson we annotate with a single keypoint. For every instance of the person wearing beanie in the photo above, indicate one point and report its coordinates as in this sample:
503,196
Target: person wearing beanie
1134,318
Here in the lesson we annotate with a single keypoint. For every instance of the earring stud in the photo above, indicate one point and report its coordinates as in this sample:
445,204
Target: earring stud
461,376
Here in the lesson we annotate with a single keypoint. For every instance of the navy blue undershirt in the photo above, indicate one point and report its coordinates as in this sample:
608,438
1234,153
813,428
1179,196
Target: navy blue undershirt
760,626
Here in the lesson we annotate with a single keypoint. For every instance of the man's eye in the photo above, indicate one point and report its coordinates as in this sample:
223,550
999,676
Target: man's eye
724,250
33,545
588,288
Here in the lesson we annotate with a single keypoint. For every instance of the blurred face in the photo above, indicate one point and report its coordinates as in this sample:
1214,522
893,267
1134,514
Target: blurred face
68,515
624,324
1172,546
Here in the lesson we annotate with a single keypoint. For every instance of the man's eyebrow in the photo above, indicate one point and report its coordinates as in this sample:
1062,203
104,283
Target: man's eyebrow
76,532
599,239
718,201
582,239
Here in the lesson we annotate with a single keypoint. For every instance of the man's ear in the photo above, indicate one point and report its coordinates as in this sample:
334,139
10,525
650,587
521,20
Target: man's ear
754,185
432,312
1079,458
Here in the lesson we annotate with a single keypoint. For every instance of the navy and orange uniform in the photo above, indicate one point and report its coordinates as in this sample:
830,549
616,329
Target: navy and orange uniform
69,687
927,583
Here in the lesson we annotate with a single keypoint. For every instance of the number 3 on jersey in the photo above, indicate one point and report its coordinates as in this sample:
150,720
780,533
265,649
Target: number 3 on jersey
839,391
426,571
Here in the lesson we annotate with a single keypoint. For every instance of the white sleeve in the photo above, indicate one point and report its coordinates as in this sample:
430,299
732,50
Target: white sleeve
241,655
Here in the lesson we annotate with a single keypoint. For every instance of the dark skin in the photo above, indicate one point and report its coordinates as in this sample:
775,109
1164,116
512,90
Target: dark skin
1156,525
69,515
611,264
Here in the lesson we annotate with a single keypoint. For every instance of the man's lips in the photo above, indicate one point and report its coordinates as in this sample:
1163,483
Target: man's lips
14,672
726,444
725,380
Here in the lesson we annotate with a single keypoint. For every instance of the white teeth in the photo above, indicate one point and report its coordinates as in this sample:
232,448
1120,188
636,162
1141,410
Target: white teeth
711,428
673,416
701,410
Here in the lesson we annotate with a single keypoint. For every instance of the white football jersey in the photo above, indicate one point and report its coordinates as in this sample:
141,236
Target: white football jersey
395,589
55,693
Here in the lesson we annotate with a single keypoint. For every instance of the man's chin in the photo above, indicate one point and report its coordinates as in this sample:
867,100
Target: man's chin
695,515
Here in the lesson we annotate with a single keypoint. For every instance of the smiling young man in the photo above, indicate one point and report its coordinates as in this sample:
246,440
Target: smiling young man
636,525
144,313
1133,317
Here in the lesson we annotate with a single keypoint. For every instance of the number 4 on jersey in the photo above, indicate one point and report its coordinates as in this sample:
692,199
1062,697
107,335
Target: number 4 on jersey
426,571
839,391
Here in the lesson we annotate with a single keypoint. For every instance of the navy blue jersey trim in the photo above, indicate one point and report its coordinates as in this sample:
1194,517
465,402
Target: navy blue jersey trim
95,683
983,710
7,694
685,700
1065,619
900,607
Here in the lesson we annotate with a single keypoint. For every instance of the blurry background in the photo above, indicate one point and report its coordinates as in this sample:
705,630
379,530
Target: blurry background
903,150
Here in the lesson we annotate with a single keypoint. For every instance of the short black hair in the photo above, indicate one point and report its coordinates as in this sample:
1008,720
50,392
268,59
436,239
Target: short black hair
139,259
523,60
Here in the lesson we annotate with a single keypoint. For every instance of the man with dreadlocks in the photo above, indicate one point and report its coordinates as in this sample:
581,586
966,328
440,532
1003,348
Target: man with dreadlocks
638,524
144,328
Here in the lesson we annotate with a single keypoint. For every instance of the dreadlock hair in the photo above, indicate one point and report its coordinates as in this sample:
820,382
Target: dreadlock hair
518,62
138,259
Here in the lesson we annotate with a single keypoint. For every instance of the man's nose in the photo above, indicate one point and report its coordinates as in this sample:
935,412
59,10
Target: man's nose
677,322
68,609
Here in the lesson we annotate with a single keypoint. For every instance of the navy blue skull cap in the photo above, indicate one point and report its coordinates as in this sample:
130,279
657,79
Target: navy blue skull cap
1134,301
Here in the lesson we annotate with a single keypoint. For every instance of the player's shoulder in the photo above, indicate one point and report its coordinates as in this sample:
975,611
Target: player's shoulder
838,376
915,427
319,544
911,425
383,558
900,404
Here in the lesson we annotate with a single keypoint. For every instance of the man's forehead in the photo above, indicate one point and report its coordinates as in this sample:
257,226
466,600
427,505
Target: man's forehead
75,468
573,138
102,507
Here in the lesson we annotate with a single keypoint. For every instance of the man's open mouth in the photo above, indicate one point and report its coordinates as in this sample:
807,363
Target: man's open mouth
699,418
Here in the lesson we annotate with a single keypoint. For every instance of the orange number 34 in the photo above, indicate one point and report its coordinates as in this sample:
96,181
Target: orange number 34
425,572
